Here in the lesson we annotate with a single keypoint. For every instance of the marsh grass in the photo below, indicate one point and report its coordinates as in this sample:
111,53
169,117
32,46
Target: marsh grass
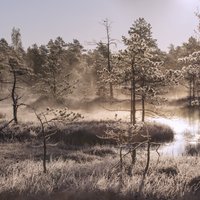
82,166
96,178
80,133
160,133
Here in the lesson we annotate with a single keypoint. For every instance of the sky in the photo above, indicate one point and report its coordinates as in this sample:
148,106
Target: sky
172,21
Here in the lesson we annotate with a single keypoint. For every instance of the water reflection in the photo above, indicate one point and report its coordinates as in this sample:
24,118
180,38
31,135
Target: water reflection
185,124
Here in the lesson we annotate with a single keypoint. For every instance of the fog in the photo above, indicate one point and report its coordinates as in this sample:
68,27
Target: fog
184,122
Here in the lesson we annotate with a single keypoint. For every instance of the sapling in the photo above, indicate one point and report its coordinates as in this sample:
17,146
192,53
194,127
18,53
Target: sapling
53,118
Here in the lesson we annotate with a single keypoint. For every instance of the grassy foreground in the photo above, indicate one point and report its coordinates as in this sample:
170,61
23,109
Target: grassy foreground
81,165
87,173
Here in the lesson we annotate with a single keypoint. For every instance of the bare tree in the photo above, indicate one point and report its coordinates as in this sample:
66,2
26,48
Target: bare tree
53,118
107,24
16,71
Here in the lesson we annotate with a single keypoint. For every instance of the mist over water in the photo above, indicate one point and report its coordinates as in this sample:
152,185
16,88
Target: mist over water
183,121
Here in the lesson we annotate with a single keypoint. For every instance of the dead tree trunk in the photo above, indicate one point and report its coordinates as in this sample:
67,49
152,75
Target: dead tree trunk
13,92
106,23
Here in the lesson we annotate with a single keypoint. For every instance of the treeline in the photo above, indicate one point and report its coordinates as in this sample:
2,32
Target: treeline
60,69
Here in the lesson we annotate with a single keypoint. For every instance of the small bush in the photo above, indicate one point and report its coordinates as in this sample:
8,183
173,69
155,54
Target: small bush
160,132
169,171
192,150
2,115
19,132
194,184
100,151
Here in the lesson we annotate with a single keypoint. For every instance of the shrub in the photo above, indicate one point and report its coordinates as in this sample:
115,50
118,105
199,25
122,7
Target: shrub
194,184
100,151
169,171
2,115
192,150
160,132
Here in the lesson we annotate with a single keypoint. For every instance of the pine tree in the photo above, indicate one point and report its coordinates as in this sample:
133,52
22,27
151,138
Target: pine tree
135,57
53,80
191,73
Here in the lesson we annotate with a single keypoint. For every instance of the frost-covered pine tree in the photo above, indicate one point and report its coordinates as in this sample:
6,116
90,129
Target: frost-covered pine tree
191,73
140,64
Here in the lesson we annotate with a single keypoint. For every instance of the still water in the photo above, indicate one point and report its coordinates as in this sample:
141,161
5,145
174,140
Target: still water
184,122
186,126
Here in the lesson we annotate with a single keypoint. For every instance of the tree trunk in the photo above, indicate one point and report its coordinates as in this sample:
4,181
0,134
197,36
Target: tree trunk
133,101
146,168
44,142
111,90
148,158
106,23
109,65
193,88
13,95
190,92
133,160
143,108
131,113
44,150
121,170
133,156
15,113
54,87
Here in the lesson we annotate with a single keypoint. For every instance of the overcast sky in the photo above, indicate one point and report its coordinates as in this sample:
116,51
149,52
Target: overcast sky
173,21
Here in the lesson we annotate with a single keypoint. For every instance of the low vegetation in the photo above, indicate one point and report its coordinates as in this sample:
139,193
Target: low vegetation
80,133
79,161
193,150
89,173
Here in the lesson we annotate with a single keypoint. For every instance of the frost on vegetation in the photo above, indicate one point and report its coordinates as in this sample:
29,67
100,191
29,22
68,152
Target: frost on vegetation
123,133
26,177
